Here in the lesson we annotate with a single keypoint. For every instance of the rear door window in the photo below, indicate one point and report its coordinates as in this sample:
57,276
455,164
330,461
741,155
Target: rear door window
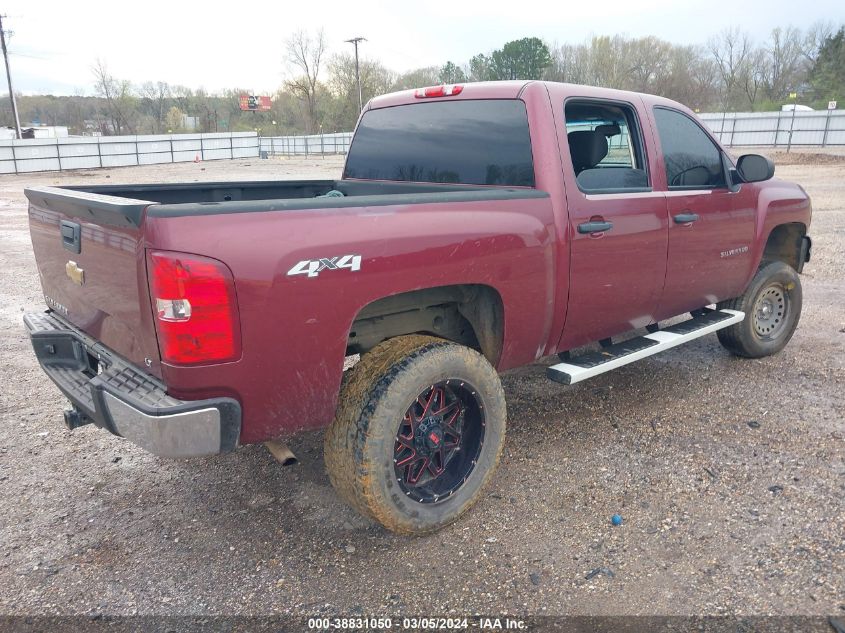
605,147
475,142
692,159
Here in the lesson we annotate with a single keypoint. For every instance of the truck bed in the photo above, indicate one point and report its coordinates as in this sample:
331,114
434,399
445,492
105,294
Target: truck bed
265,191
100,284
122,204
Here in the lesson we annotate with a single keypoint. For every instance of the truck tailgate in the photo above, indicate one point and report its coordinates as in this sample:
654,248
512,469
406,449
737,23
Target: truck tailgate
89,249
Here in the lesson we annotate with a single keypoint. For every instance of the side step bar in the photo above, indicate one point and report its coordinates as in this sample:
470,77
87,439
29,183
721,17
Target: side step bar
592,364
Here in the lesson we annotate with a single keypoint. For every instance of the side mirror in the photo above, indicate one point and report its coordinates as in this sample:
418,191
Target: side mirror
755,168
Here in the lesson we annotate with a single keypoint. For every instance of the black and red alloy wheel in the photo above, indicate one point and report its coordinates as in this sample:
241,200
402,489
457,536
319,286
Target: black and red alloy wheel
439,441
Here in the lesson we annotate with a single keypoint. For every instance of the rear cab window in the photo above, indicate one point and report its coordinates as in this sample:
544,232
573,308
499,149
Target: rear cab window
606,147
470,141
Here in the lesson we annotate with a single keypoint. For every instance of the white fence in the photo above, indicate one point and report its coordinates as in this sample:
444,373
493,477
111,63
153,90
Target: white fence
821,128
84,152
335,143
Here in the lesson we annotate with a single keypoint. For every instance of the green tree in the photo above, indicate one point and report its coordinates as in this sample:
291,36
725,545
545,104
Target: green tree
451,73
480,68
521,59
828,74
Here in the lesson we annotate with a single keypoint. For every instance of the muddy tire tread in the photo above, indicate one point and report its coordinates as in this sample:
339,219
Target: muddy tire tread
361,389
343,461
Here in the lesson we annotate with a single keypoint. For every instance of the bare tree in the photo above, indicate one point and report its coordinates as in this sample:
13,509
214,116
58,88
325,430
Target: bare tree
118,96
305,54
692,77
755,74
607,61
815,37
731,50
570,63
426,76
182,96
376,79
785,63
156,96
648,64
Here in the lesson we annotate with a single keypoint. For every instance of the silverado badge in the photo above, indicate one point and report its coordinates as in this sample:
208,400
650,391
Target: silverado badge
75,273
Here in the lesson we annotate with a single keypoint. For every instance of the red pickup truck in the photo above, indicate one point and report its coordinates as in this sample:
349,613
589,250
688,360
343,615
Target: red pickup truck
476,228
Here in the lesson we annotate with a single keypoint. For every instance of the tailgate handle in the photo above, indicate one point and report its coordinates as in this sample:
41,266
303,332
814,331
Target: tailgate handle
71,236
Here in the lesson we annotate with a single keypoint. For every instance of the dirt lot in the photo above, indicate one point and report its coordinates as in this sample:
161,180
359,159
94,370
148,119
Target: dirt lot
730,475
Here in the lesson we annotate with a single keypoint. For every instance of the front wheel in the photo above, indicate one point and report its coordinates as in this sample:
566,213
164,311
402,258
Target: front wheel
772,306
418,433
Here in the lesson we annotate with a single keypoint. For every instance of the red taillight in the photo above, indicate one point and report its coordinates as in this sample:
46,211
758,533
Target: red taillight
439,91
195,306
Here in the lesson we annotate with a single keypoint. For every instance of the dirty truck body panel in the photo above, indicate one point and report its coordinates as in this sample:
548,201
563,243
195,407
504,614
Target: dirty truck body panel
301,267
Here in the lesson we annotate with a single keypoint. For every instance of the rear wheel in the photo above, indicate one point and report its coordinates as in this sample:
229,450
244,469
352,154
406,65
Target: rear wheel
772,306
418,433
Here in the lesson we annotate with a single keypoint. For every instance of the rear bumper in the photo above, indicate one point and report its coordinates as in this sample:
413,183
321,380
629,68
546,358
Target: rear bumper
115,395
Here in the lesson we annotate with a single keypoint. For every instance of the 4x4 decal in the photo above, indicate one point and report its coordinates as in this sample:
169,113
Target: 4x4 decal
313,267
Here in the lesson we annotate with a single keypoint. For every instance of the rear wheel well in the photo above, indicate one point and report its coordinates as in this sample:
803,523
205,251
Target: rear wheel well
784,245
469,314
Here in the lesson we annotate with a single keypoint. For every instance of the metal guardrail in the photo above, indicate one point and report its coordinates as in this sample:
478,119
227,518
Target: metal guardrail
822,128
307,145
338,143
819,128
84,152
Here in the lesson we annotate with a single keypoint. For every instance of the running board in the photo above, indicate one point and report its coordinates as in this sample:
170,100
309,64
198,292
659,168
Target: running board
592,364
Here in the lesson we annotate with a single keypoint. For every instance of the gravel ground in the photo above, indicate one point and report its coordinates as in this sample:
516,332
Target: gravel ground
729,474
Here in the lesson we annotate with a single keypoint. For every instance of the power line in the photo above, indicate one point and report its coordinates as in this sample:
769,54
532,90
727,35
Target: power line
354,41
9,77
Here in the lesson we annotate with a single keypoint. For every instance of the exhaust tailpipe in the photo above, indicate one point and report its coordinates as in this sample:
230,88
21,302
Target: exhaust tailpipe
281,452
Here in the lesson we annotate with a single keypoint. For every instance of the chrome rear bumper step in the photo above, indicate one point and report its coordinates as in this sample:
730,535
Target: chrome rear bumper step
580,368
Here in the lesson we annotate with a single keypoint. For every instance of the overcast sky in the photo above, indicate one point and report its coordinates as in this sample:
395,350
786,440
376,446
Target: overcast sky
219,45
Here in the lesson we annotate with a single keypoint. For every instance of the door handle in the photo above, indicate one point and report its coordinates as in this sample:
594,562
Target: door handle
685,218
594,227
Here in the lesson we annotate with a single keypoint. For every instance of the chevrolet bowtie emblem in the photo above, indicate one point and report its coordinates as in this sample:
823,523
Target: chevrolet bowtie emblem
75,273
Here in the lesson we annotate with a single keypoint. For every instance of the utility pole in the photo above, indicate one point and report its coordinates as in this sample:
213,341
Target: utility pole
354,41
9,77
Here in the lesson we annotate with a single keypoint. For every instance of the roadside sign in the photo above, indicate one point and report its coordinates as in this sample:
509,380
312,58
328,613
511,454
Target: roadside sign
793,95
254,102
831,105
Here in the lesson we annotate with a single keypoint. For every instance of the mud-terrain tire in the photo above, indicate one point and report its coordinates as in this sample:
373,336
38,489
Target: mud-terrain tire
772,306
387,416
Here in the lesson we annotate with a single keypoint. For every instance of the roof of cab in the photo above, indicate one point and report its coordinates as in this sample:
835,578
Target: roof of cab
514,89
471,90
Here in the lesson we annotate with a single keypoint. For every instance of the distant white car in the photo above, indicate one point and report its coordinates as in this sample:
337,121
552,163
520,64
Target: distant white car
789,107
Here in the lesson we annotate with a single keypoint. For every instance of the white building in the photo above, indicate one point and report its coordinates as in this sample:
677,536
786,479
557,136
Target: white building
38,131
